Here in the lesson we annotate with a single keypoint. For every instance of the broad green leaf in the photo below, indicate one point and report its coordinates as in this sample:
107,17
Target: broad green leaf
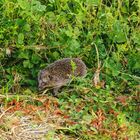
121,118
27,27
122,48
27,64
20,22
51,17
24,4
51,1
136,37
56,55
37,6
1,36
114,66
35,59
73,48
118,33
24,55
20,38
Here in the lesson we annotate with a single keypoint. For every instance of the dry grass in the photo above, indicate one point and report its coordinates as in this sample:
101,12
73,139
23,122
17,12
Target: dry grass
22,121
42,117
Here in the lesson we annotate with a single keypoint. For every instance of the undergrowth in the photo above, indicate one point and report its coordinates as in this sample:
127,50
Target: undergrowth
105,34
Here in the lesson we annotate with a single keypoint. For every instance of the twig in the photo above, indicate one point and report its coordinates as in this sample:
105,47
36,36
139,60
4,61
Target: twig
96,77
5,111
97,52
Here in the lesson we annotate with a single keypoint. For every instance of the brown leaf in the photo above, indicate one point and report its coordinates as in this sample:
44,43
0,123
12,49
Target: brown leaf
122,99
58,112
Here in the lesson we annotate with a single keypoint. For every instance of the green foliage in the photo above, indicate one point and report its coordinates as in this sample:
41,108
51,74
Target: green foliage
68,28
34,33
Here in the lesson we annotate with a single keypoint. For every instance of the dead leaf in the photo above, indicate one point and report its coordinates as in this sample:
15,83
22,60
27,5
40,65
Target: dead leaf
122,99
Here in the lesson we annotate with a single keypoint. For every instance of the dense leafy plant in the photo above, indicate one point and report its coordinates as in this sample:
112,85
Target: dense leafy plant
69,28
104,33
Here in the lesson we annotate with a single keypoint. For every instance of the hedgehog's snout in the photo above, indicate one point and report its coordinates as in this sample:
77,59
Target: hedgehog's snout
41,85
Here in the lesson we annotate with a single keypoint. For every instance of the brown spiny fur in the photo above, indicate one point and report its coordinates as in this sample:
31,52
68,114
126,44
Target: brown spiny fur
59,73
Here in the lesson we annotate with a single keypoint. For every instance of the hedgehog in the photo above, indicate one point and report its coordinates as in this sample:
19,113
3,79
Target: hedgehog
60,73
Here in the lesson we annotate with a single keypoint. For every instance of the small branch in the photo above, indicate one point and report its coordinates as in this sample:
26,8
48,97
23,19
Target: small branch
97,52
3,113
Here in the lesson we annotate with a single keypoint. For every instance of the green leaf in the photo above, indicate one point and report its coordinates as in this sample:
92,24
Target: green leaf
94,2
37,6
56,55
23,54
51,17
27,27
20,38
20,22
24,4
115,72
27,92
73,65
119,32
35,59
121,118
114,66
1,36
73,48
27,64
136,37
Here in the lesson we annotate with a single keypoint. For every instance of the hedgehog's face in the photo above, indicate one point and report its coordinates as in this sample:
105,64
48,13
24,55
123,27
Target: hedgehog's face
44,80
